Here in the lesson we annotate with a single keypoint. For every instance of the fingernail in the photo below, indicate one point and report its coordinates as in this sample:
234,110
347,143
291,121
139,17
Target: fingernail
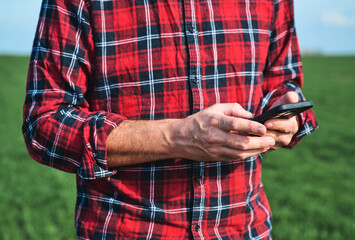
261,130
269,125
271,142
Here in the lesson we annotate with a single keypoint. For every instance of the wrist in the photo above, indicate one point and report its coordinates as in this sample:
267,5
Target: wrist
180,138
171,132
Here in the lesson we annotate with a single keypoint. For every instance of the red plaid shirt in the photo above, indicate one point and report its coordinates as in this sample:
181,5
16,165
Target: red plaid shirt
96,63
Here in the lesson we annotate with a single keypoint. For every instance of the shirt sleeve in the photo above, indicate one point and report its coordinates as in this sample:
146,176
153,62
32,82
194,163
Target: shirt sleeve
283,72
59,128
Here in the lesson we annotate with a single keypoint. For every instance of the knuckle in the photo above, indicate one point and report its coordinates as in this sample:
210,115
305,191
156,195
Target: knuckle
196,122
212,153
287,130
209,138
244,143
263,144
236,105
235,124
285,141
230,142
235,108
212,121
243,156
252,126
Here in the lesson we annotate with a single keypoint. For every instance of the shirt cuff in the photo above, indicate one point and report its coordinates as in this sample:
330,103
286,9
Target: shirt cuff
94,164
307,120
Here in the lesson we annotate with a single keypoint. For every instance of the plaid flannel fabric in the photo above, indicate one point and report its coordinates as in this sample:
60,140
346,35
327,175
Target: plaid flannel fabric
95,63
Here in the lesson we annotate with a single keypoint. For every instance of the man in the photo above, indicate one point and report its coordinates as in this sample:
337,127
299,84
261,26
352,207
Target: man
149,102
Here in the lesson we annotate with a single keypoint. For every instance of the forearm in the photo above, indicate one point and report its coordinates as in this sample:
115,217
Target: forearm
140,141
204,136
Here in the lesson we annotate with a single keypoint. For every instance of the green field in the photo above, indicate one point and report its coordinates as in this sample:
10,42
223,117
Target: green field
310,188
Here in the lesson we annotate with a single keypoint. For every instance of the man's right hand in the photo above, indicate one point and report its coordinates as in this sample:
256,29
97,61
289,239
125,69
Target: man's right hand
221,132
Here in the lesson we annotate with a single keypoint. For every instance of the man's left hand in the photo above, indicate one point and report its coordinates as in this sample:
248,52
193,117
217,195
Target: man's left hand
282,130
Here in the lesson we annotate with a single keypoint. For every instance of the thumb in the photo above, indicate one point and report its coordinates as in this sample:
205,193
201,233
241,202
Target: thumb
289,97
233,110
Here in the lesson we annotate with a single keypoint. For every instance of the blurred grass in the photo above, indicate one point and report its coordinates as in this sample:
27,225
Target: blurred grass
310,188
36,202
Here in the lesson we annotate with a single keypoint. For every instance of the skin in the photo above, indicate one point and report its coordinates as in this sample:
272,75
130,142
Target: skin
282,130
221,132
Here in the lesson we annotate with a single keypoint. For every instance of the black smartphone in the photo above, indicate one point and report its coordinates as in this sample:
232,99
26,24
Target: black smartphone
284,111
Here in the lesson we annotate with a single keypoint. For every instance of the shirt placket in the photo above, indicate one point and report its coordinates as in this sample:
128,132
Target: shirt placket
195,80
195,77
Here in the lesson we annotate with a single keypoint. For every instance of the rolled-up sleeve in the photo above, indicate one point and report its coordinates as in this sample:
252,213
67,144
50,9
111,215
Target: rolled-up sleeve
283,72
59,129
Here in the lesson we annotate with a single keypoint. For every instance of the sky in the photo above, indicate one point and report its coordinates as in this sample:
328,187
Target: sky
323,26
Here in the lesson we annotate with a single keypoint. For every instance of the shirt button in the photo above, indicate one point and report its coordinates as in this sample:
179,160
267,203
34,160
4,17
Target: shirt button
196,79
197,227
198,178
191,29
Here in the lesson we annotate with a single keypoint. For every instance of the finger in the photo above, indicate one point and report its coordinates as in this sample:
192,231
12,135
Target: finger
244,143
218,137
241,125
281,139
255,152
283,125
233,109
273,134
289,97
229,154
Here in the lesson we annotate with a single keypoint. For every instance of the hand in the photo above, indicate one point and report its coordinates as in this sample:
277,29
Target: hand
221,132
282,130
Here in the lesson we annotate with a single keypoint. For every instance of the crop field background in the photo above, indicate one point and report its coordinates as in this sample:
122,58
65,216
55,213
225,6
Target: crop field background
311,188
